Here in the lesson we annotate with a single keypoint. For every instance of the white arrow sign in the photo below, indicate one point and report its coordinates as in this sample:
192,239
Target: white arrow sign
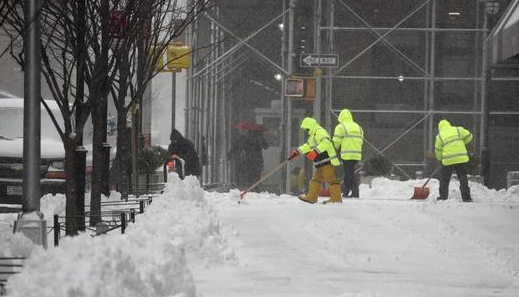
323,60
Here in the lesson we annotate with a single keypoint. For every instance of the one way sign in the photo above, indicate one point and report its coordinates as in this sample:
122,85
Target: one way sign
322,60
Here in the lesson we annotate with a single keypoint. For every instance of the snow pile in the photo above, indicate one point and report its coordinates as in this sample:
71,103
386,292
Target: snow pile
17,244
14,245
383,188
510,193
186,213
51,205
152,259
106,266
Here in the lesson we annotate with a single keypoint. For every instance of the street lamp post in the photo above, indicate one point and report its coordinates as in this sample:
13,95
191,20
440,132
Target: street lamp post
31,222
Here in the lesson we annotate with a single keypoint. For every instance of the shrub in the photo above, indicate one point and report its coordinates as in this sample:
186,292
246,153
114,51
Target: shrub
378,166
151,158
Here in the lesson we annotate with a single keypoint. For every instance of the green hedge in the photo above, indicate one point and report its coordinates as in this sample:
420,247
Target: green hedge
378,166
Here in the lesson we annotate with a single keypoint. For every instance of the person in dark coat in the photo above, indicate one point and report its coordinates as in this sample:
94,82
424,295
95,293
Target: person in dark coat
185,149
247,152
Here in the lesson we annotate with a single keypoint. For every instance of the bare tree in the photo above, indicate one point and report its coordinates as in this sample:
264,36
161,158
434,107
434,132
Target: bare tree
82,37
141,35
138,65
59,55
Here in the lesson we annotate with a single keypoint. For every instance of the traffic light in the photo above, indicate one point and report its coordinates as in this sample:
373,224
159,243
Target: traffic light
302,88
174,57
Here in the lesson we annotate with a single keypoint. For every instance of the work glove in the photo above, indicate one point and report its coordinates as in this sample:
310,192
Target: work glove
294,154
171,166
311,155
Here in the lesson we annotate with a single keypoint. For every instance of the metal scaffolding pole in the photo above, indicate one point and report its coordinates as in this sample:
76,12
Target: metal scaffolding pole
426,82
215,124
317,72
227,97
221,127
383,29
189,81
290,70
485,93
284,100
207,138
411,111
427,78
205,120
430,122
233,69
477,57
330,73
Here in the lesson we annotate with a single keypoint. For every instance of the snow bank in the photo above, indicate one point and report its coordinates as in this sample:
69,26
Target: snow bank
151,259
383,188
17,244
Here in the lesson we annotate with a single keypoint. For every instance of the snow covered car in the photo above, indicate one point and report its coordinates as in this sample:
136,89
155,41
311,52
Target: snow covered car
11,151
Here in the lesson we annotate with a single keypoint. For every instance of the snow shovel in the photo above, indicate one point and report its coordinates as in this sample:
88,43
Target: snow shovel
242,194
423,191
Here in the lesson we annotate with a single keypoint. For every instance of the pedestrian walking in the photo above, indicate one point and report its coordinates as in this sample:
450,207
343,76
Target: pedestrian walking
247,151
319,150
348,138
450,149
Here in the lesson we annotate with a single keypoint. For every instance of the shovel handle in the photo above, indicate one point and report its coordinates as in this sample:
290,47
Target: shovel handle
242,194
432,174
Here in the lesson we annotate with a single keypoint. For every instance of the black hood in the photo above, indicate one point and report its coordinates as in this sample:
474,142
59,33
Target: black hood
175,136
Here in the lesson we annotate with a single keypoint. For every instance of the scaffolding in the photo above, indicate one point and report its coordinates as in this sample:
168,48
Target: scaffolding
426,71
210,81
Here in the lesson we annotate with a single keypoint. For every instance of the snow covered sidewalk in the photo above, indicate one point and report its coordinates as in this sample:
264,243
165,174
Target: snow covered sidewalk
194,243
369,247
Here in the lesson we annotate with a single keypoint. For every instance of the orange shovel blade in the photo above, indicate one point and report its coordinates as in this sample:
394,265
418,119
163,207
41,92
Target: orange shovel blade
420,193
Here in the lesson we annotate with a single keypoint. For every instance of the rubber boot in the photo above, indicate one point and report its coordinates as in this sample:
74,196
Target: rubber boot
355,192
335,194
313,192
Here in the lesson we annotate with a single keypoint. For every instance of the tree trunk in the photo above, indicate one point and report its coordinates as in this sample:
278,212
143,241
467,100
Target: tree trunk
123,147
99,88
70,209
97,159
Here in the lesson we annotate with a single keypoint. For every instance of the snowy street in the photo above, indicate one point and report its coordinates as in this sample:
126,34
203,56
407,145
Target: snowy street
205,244
368,248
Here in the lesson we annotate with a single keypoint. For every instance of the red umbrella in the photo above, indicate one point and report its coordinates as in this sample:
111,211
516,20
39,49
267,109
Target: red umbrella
242,125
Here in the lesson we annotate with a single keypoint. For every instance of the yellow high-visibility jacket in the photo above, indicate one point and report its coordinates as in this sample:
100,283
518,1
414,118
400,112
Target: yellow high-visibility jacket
348,137
450,144
318,140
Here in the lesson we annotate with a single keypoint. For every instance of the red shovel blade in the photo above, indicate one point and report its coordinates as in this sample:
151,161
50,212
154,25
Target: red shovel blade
242,194
420,193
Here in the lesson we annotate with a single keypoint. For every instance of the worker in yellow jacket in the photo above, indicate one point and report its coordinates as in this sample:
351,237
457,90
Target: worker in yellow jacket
450,149
319,149
348,138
